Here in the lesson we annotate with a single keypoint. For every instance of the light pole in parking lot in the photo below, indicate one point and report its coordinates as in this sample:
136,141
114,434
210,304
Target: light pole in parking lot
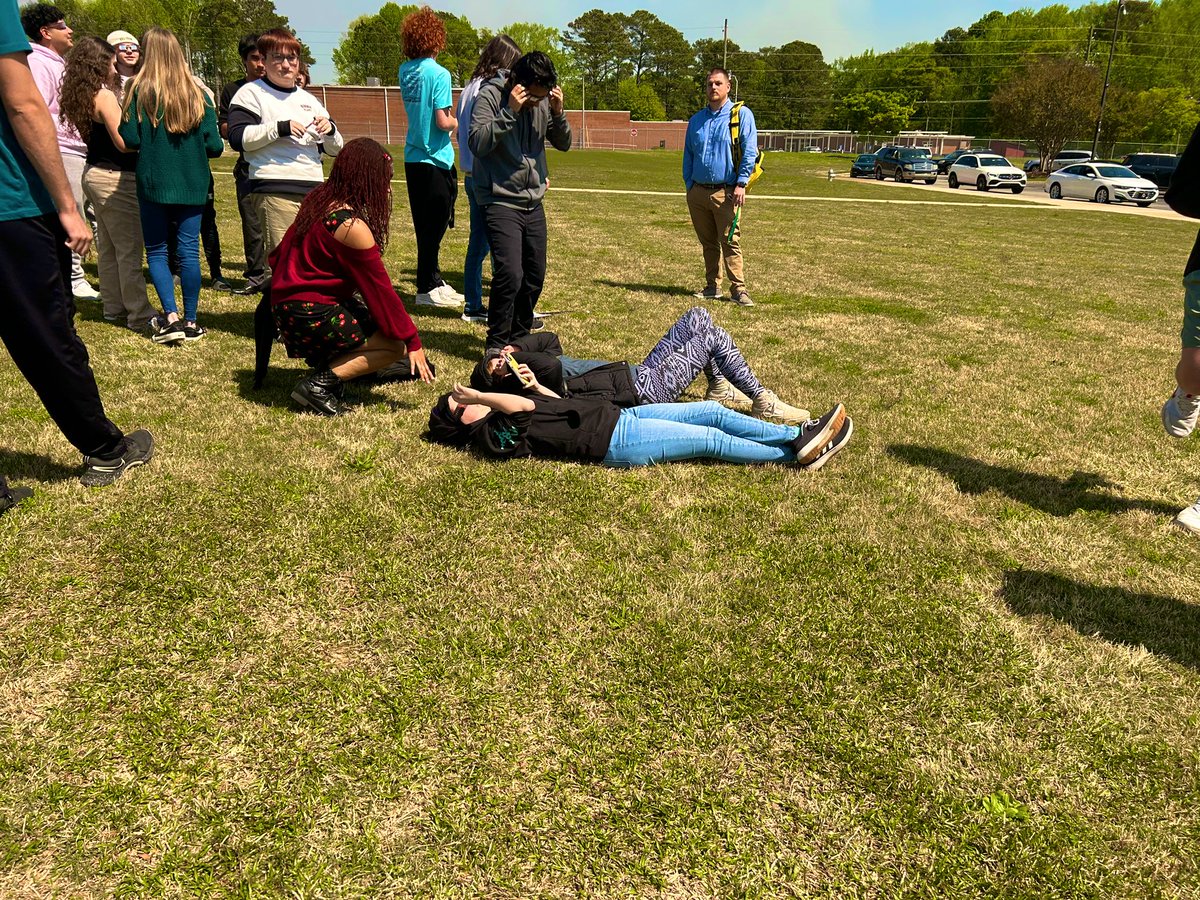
1107,71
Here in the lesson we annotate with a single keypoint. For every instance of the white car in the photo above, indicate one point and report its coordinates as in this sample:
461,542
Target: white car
986,171
1102,182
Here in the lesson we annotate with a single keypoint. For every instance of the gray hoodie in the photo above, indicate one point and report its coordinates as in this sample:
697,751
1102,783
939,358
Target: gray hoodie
509,149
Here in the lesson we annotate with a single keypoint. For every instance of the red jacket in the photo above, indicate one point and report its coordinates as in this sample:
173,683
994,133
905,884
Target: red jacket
318,268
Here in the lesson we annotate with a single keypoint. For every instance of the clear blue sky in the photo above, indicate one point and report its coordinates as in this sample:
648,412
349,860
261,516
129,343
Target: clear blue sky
838,27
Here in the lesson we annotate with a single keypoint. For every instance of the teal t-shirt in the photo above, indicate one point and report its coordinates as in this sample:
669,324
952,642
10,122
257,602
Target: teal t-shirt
22,194
425,87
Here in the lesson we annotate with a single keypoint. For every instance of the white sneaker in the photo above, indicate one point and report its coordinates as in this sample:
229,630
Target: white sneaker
435,298
84,291
450,293
1189,519
1179,414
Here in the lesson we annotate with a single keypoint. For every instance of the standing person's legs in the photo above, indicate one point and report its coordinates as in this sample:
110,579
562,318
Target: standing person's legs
691,344
99,185
186,225
723,212
533,265
701,209
74,166
252,241
209,233
418,178
36,326
156,231
125,229
276,213
477,249
504,228
678,431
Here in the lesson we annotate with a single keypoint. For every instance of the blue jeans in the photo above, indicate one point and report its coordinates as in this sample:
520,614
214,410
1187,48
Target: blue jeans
667,432
158,222
477,248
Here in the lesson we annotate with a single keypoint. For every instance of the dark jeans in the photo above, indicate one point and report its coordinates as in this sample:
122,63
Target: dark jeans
518,239
431,195
37,326
252,240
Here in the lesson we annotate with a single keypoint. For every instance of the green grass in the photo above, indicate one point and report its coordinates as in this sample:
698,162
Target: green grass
309,657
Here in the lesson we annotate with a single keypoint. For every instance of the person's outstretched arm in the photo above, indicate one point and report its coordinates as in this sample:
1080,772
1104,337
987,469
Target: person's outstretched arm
502,403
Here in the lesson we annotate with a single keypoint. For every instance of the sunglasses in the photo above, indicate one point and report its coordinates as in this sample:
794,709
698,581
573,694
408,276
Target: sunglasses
57,26
128,48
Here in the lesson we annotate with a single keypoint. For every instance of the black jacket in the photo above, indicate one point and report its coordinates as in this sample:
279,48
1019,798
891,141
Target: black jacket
578,428
1183,195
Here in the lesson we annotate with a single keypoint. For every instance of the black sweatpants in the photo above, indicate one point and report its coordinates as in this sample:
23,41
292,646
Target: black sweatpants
37,326
431,194
252,239
518,239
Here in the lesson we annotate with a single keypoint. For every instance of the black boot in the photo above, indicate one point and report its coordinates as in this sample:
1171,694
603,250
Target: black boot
320,392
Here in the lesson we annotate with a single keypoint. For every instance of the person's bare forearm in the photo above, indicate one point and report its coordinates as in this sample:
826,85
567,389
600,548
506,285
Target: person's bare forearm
34,128
505,403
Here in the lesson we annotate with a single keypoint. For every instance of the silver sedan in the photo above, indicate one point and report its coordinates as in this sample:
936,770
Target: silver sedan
1102,182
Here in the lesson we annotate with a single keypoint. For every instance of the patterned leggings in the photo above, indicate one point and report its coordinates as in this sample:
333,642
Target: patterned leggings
694,344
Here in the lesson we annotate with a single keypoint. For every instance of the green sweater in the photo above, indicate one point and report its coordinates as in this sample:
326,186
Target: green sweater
172,168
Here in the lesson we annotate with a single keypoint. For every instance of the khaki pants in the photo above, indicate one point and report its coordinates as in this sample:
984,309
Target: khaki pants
276,213
712,214
113,196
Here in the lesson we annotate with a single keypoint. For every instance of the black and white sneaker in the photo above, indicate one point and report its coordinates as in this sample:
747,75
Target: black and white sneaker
137,450
14,496
193,331
321,393
164,332
477,316
840,440
816,433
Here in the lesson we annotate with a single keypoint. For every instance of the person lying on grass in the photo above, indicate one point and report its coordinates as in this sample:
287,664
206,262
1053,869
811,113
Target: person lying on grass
694,344
541,423
332,250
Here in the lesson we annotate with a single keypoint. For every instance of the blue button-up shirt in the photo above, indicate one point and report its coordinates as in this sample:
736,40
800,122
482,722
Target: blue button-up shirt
707,151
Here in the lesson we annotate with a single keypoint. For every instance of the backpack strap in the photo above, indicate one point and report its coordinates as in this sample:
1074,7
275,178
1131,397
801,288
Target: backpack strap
735,136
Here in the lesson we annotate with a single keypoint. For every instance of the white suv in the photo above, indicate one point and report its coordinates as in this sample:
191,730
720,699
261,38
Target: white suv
986,171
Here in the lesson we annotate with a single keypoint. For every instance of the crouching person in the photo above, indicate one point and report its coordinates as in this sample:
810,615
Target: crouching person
332,251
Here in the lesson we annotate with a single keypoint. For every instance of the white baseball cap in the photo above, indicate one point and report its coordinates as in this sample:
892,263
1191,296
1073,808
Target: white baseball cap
122,37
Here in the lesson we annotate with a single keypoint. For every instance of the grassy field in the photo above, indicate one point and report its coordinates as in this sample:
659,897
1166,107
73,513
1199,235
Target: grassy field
324,658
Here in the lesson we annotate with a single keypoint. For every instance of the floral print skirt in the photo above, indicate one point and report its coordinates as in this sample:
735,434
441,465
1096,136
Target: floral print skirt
320,332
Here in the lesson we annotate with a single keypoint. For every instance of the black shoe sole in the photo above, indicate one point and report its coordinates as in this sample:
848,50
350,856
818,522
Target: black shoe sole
814,443
307,403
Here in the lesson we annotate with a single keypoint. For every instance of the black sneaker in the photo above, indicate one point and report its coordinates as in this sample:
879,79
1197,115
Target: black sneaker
477,316
252,286
136,451
321,393
401,370
816,433
220,284
839,441
193,332
164,332
12,497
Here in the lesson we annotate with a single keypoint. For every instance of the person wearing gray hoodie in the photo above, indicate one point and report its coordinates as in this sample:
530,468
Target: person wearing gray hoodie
514,115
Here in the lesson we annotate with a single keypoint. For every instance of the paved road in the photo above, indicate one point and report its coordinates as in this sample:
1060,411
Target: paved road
1032,194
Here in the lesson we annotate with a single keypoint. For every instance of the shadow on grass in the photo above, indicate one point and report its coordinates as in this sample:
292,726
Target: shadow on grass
239,322
1163,625
671,290
18,466
276,392
464,345
1057,496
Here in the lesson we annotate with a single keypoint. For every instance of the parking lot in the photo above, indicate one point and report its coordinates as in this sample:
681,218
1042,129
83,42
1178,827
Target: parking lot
1034,193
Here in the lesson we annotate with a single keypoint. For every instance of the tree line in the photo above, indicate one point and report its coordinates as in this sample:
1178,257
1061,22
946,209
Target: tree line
960,82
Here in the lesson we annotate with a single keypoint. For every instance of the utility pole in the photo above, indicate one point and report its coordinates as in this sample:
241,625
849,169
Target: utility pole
1087,56
725,57
583,127
1107,71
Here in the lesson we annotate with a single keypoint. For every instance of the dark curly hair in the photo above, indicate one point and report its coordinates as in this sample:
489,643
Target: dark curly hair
89,68
423,34
37,16
361,181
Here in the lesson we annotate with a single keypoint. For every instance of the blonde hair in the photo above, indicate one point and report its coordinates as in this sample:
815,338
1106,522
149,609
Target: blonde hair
164,88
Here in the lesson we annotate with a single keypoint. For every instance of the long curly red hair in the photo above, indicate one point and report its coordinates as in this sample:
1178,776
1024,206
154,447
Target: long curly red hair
422,33
361,181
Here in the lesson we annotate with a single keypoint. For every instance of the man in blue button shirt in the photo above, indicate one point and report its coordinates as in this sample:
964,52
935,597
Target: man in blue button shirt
715,190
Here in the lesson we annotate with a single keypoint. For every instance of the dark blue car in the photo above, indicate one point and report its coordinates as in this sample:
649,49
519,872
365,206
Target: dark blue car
864,165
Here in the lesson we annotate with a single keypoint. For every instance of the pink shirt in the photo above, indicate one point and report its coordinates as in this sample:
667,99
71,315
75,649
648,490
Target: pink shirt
47,67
